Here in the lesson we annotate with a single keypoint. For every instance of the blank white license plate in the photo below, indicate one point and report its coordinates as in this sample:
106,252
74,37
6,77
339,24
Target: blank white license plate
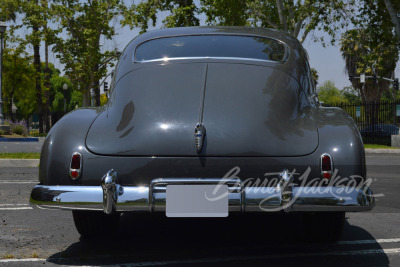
197,201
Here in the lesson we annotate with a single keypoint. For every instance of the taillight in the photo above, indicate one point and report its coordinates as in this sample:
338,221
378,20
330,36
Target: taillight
75,166
326,166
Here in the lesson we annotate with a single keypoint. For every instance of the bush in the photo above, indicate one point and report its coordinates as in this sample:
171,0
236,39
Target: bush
34,134
18,127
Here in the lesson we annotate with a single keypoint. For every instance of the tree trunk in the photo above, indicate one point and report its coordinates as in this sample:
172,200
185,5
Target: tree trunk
96,88
393,16
86,97
46,72
282,17
36,63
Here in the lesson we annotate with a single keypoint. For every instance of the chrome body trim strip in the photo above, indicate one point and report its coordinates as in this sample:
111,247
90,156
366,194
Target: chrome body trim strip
217,58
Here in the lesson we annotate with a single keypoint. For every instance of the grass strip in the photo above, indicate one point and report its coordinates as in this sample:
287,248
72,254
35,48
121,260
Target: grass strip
20,155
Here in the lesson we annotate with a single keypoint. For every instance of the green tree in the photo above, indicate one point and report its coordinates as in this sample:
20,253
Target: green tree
58,94
351,94
8,10
329,93
371,48
180,13
393,8
226,12
18,81
315,76
363,53
298,18
86,24
34,21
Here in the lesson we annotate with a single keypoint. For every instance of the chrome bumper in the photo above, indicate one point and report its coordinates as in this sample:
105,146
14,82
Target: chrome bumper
111,197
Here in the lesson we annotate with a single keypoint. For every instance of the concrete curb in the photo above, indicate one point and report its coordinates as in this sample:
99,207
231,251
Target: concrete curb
19,163
382,151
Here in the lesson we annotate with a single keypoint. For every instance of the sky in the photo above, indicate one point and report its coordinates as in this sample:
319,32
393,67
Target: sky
326,60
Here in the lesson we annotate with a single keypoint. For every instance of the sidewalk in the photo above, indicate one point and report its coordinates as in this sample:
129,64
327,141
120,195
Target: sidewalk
19,163
23,163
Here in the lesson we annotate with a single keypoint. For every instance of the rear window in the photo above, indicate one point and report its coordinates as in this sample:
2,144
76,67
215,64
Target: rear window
212,46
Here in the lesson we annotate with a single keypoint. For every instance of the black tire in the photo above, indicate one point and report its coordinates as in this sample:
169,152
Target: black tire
325,227
91,224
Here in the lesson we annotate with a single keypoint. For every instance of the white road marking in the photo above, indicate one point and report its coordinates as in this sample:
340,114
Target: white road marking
21,260
18,182
372,241
4,205
17,208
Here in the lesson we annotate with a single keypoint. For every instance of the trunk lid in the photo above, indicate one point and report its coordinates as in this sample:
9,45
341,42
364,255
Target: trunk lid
247,110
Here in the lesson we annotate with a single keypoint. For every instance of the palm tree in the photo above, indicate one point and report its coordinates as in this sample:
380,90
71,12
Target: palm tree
363,54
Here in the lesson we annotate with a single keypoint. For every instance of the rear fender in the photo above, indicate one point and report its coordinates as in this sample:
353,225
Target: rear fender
65,137
339,137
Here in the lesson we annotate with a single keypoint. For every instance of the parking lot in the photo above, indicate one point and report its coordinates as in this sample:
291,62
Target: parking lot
32,237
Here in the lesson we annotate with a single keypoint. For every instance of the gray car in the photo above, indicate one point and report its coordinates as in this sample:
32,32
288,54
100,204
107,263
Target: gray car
205,122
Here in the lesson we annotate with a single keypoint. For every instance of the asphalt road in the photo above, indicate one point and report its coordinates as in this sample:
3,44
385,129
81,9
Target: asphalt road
32,237
12,147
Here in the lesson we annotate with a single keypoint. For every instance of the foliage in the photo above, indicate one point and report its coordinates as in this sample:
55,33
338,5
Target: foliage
8,10
363,53
86,23
34,15
18,80
76,100
388,95
103,99
377,17
393,8
181,13
19,128
298,18
351,94
226,12
35,133
371,48
57,90
314,75
329,93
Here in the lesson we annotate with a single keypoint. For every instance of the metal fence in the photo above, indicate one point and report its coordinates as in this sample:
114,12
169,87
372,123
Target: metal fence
377,121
